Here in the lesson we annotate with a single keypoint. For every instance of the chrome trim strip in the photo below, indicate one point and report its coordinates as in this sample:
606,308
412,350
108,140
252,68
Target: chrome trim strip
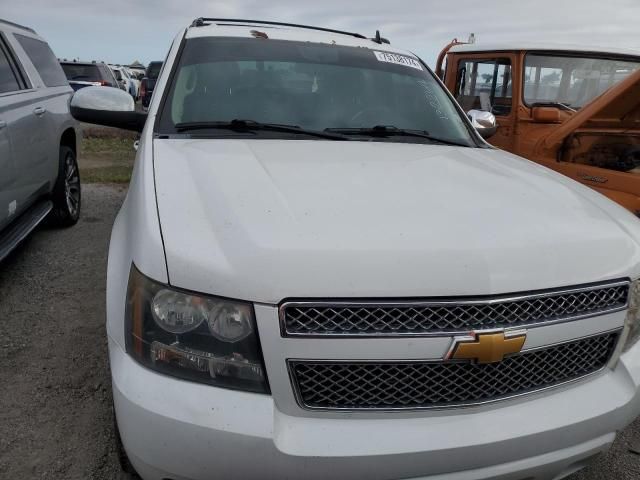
298,396
447,302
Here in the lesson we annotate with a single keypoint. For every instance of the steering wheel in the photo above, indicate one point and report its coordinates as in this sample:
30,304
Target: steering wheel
379,111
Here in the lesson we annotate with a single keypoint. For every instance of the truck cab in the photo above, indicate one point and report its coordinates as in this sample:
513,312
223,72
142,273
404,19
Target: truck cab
571,108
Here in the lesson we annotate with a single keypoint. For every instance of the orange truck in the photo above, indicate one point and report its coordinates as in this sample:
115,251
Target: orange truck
571,108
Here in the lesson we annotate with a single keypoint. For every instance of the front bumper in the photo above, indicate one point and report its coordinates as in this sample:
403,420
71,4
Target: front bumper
172,429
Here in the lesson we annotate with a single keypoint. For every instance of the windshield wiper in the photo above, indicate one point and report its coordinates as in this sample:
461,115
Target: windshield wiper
238,125
560,105
390,131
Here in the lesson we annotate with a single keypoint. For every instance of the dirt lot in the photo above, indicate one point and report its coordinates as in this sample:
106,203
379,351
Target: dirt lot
55,415
55,420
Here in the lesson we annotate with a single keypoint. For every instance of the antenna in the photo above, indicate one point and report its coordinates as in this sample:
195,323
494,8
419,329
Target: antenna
380,40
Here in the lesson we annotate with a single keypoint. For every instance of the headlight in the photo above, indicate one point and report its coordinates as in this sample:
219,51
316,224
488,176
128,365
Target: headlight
195,337
633,316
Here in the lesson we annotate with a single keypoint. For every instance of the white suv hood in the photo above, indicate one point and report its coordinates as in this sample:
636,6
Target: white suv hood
264,220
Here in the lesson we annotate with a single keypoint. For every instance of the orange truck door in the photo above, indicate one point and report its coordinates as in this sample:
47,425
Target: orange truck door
485,82
600,144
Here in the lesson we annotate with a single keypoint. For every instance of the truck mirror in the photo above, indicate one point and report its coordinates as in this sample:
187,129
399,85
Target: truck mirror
107,106
484,122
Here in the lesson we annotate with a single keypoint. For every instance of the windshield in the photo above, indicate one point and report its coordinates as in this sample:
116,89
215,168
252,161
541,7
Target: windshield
572,81
85,73
308,85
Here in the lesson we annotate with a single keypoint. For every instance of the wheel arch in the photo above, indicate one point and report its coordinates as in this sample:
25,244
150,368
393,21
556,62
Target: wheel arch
68,139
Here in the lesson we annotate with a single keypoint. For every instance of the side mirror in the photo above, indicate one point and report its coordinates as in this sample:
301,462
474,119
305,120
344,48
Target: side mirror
110,107
546,115
484,122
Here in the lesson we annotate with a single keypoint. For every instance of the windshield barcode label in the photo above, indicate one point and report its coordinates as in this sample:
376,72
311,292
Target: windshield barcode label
398,59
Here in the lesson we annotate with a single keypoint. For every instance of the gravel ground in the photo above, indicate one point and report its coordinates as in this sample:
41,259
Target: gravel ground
55,420
55,404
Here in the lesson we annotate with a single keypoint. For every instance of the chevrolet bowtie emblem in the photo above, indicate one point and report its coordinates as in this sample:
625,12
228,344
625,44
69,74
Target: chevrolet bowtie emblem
489,347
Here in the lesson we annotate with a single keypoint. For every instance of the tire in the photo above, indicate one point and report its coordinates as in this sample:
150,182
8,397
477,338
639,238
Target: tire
67,195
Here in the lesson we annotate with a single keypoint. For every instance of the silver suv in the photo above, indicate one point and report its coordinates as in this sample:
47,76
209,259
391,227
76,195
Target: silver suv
39,174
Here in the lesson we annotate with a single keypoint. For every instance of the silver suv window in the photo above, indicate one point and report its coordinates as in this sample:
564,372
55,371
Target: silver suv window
8,79
44,60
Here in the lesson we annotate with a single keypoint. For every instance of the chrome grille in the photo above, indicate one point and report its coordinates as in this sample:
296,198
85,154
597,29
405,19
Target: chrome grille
446,316
407,385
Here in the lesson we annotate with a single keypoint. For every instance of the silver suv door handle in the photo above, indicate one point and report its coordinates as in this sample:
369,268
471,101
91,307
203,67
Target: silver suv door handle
2,124
39,111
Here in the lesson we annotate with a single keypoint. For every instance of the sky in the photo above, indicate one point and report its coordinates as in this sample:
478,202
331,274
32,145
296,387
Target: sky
121,31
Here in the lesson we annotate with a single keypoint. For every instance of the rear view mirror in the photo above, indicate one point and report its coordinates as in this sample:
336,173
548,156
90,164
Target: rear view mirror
484,122
110,107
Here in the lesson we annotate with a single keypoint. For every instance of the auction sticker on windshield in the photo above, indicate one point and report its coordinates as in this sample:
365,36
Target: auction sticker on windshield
398,59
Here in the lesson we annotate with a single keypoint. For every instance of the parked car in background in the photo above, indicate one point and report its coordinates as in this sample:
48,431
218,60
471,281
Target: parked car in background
322,270
119,78
86,74
124,80
137,71
38,170
570,108
148,82
135,78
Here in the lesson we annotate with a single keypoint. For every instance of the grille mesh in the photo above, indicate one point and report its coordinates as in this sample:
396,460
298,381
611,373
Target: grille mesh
422,385
377,319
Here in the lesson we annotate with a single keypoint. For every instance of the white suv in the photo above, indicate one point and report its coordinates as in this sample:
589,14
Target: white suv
321,270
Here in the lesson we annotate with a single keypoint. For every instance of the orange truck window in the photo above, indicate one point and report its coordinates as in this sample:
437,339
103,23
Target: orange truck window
572,81
485,84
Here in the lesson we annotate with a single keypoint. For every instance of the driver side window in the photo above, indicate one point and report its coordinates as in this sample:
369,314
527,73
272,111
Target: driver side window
485,84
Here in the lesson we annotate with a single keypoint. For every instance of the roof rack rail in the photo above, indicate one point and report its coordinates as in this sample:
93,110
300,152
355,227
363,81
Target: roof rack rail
17,25
202,21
